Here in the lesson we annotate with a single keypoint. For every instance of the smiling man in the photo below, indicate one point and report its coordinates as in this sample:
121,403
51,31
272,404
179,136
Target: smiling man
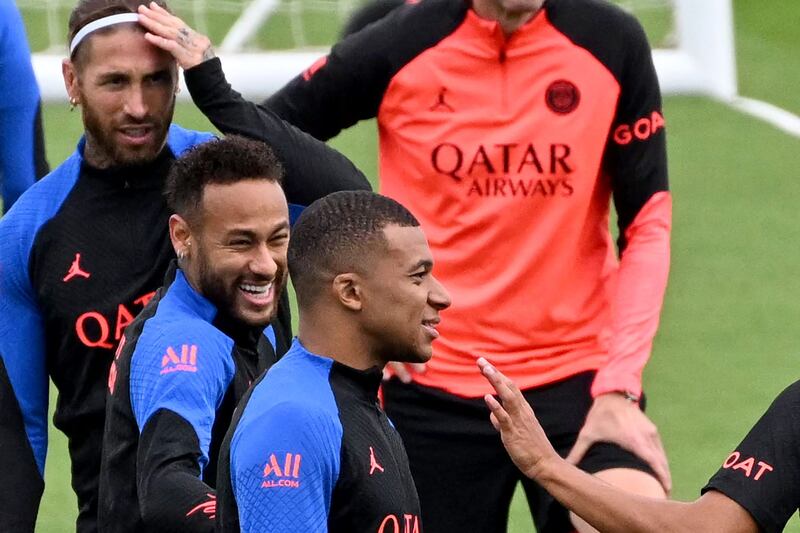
321,455
85,248
188,359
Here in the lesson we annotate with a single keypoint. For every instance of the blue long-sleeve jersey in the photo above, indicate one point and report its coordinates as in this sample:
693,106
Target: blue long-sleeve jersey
81,253
179,373
313,451
21,143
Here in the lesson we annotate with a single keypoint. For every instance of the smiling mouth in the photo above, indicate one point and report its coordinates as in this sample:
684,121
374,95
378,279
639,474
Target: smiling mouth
430,327
137,134
259,295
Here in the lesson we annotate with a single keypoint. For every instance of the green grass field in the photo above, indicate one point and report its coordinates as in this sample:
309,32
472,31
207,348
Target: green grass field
729,339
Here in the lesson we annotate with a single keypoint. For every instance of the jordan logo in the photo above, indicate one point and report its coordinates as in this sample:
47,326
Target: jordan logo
373,463
441,104
75,270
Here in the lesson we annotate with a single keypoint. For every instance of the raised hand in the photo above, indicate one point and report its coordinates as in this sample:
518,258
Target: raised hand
522,435
171,34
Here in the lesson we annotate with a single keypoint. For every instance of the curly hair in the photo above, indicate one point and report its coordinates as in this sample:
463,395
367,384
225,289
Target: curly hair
221,161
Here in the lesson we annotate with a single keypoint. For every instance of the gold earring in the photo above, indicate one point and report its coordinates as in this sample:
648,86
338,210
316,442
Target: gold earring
73,103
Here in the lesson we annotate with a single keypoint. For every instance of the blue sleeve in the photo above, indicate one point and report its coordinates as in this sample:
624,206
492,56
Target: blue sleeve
22,338
185,369
18,107
284,467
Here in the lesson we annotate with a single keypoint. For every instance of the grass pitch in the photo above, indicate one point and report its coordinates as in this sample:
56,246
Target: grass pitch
729,339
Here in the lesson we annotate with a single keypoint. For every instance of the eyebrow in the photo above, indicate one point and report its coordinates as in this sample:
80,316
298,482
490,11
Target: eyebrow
427,264
281,226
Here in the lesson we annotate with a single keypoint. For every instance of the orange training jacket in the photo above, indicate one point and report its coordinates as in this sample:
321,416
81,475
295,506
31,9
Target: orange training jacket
508,151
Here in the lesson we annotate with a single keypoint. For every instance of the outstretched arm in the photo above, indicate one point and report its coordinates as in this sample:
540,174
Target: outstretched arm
605,507
313,169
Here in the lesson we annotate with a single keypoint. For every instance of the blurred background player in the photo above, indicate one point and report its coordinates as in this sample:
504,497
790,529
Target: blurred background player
506,127
312,450
188,359
22,158
88,246
757,489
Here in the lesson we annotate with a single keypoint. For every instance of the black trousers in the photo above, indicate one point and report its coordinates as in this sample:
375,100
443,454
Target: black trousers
464,476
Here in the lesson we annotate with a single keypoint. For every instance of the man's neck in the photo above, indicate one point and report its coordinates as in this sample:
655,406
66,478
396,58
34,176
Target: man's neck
336,340
509,21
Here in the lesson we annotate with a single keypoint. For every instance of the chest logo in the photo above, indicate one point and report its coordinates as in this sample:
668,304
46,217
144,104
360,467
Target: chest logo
286,475
562,97
186,362
75,270
374,465
441,102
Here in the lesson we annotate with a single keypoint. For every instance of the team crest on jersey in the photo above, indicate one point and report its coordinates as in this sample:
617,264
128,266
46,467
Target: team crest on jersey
284,473
562,97
185,362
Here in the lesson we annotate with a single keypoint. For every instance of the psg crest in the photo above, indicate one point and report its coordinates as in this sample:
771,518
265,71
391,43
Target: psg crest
562,97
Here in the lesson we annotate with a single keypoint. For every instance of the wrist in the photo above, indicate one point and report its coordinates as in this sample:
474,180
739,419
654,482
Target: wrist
620,397
545,469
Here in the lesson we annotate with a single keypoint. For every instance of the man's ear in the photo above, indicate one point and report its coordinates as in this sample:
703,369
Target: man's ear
181,236
348,290
70,74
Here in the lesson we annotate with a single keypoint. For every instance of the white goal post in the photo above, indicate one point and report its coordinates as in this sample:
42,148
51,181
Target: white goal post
701,62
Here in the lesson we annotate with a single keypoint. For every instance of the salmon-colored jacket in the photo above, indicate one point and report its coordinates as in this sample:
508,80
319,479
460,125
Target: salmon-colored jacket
508,150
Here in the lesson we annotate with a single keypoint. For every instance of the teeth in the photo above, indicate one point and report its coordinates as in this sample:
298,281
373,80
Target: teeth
256,289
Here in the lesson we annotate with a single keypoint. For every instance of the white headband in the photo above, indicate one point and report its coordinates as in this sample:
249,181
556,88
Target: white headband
101,23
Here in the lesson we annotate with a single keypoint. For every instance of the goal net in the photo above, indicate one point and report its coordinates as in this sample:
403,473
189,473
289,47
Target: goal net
264,43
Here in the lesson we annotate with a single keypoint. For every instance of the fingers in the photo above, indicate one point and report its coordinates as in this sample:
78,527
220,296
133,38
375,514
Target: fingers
506,390
577,452
401,371
418,368
499,417
654,455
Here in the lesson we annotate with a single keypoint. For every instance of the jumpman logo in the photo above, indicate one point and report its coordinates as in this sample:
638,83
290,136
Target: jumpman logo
75,270
440,104
373,463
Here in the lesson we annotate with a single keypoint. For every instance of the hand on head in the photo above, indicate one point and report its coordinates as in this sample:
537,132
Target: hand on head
170,33
523,436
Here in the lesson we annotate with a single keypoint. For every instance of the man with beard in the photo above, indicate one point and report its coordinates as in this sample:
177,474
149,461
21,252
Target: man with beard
312,450
188,358
85,248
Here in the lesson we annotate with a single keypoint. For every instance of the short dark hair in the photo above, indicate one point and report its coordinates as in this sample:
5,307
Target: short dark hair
220,161
88,11
336,234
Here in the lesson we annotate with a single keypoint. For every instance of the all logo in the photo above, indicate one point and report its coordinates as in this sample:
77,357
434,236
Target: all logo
283,474
186,362
562,97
